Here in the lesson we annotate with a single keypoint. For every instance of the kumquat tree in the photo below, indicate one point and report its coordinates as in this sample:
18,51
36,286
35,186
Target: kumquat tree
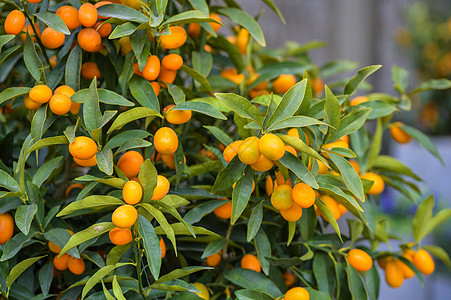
157,150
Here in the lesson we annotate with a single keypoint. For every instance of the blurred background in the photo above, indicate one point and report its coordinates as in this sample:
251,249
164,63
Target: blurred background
415,35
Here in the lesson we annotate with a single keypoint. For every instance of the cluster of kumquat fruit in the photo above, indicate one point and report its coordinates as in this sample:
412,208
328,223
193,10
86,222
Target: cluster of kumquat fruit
61,263
396,270
59,100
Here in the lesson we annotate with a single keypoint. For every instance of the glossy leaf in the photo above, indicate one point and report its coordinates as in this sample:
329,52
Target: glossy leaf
86,235
144,93
241,194
263,247
201,107
240,17
31,59
424,140
53,21
151,245
24,216
255,221
18,269
297,167
131,115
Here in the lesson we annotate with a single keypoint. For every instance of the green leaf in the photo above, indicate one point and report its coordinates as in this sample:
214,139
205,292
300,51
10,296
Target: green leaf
256,281
116,253
8,182
291,101
351,123
176,93
45,278
98,276
181,229
379,109
202,62
122,12
350,176
214,247
241,194
297,167
243,19
174,201
90,202
222,43
161,219
241,106
424,140
13,92
15,244
147,177
355,283
105,161
91,110
60,237
197,77
263,247
324,272
107,294
18,269
296,121
376,145
46,170
53,21
229,175
433,84
400,79
73,69
5,39
299,145
31,59
144,93
200,210
125,29
151,245
438,252
113,181
372,282
255,221
220,135
329,216
422,217
441,217
201,107
37,124
24,216
189,16
388,163
200,5
117,291
105,96
130,116
332,109
86,235
353,83
271,4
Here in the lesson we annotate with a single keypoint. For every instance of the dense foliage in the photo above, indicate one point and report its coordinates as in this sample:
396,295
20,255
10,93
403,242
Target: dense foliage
144,155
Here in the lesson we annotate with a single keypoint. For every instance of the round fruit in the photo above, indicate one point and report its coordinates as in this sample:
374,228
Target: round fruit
360,260
31,105
407,271
167,76
249,152
355,165
64,89
130,163
166,140
52,39
152,68
283,83
175,39
203,291
71,187
14,22
87,14
251,262
132,192
172,62
263,164
69,15
76,265
271,146
289,279
290,149
194,30
120,236
40,94
214,25
163,248
281,180
126,46
231,150
83,147
90,162
359,100
424,262
124,216
213,260
103,29
294,132
297,293
60,104
281,197
303,195
394,275
174,116
54,247
224,211
332,205
89,70
161,189
269,185
342,208
60,263
156,87
233,75
6,227
241,40
89,40
293,213
378,183
135,4
398,134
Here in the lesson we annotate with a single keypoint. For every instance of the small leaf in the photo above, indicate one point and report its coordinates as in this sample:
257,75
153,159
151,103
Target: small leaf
355,283
422,217
241,106
13,92
122,12
242,18
229,175
214,247
263,247
151,245
130,116
86,235
189,16
199,211
147,177
201,107
297,167
144,93
198,77
351,123
53,21
256,281
18,269
255,221
439,253
424,140
328,215
433,84
105,96
73,69
349,175
31,59
105,161
332,109
98,276
8,182
45,278
241,194
178,273
24,216
90,202
161,219
353,83
220,135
